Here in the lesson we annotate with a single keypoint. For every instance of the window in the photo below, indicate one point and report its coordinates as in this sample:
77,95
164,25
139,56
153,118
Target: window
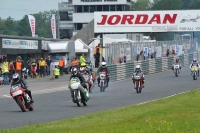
99,8
86,8
79,26
92,8
127,8
105,7
112,7
119,7
79,9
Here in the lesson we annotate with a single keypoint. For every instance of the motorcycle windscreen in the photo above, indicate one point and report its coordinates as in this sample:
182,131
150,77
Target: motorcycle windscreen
74,83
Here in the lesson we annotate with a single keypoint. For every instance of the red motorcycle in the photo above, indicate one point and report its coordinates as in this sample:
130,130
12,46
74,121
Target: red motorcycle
138,78
21,97
103,81
87,79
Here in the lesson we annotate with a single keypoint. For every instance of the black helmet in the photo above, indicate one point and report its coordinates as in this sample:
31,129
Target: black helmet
177,60
16,77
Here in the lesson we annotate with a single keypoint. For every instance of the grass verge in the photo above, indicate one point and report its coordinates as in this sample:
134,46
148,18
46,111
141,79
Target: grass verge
178,114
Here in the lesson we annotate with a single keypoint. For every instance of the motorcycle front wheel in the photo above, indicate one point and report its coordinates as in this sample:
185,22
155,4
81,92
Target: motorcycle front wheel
77,92
21,104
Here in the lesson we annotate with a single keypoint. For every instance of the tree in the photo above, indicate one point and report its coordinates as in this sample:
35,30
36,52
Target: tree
10,26
140,5
2,25
24,27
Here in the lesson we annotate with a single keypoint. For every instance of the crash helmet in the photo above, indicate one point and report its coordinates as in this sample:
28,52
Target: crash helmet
137,68
83,64
74,71
103,64
177,60
16,77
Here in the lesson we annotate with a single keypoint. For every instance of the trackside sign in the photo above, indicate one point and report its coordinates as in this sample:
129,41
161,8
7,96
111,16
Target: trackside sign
147,21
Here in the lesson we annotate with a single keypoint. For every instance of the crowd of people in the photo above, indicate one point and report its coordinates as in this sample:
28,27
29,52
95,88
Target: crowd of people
37,68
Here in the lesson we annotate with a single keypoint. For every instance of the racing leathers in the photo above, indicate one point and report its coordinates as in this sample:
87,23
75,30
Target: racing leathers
83,83
24,85
194,64
175,64
103,69
135,72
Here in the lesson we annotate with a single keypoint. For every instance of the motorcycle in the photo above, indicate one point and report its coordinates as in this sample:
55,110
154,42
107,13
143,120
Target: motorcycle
176,70
25,73
194,72
103,81
21,97
88,79
81,94
137,77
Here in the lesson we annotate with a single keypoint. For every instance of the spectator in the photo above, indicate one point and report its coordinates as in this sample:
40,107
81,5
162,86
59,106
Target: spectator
97,59
57,72
48,64
124,59
42,65
52,69
167,53
18,66
5,71
82,59
61,65
11,69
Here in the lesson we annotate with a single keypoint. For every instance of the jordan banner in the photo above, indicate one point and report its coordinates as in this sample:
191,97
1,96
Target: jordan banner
32,24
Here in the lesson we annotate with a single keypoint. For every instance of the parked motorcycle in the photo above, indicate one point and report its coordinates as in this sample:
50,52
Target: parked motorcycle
25,73
176,70
81,94
194,72
103,81
21,97
137,77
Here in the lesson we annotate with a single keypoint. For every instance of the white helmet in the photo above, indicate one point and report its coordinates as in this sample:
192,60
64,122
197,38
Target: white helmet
103,64
137,68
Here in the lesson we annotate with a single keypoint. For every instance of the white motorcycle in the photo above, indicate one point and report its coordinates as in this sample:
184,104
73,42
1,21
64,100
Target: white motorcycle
176,70
25,73
81,94
103,81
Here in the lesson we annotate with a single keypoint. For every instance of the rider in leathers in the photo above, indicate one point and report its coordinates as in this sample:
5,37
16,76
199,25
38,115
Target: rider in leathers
103,68
138,69
194,63
16,79
176,62
75,73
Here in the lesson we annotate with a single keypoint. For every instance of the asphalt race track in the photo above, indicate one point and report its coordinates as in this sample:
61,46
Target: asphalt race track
58,105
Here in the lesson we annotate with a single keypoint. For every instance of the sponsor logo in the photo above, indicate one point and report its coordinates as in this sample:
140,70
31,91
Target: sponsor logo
131,19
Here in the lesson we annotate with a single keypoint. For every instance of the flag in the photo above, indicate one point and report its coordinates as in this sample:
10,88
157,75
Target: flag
32,24
53,26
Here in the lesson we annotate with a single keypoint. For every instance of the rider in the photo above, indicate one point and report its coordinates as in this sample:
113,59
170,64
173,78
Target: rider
16,79
103,68
75,73
138,69
194,63
176,62
83,67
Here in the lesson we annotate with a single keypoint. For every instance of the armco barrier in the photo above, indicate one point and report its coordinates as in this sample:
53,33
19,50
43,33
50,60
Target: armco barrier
124,71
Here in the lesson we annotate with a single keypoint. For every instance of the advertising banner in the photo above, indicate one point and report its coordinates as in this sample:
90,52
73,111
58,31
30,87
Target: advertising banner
146,21
19,44
32,24
53,26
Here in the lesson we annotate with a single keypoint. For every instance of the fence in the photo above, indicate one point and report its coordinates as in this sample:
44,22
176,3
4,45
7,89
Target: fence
115,52
124,71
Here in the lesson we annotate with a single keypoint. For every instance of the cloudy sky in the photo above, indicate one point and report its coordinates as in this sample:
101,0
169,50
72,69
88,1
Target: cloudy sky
18,8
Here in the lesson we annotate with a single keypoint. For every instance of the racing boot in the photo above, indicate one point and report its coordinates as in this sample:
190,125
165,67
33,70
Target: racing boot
143,83
30,95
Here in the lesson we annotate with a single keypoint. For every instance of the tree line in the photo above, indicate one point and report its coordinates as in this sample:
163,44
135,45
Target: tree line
21,27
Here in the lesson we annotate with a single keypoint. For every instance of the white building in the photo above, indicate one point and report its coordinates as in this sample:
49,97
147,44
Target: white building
84,9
